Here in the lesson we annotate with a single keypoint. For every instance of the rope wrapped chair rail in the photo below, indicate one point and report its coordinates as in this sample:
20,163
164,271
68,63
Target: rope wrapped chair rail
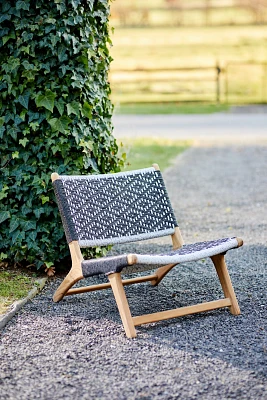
187,253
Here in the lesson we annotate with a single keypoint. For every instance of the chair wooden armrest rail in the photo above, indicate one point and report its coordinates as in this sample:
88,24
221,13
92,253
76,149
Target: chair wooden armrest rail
98,210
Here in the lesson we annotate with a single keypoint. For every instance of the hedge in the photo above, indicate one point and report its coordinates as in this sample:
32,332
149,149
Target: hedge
55,115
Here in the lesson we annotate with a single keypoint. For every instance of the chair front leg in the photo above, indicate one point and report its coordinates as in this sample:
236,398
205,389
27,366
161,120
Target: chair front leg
67,283
74,275
122,303
225,280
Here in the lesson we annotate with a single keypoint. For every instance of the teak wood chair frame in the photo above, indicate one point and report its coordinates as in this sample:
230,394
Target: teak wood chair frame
117,284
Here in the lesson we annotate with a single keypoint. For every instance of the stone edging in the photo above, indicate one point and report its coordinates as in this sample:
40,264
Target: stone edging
17,305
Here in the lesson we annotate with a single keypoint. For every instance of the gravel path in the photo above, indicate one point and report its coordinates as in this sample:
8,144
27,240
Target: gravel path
77,349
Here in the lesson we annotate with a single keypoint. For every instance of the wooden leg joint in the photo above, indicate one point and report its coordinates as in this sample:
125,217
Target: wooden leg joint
161,272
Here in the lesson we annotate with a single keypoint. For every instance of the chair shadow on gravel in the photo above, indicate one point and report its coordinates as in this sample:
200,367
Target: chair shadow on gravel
238,340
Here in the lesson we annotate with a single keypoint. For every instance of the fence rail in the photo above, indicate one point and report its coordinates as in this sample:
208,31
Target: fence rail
235,82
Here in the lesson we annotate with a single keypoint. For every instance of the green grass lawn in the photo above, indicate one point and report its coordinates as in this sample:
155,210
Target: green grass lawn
14,286
142,153
196,47
170,108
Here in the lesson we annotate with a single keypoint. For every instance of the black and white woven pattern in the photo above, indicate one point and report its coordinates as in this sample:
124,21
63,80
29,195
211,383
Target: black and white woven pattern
114,208
190,252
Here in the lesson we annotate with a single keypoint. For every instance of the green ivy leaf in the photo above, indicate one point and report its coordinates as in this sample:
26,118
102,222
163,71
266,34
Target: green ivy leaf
4,215
30,75
4,17
29,225
15,154
45,199
62,54
10,36
23,114
48,264
32,235
60,124
18,236
51,21
22,5
73,108
24,100
87,110
34,125
23,142
90,53
14,223
13,132
46,100
5,39
60,105
26,49
12,64
4,192
38,212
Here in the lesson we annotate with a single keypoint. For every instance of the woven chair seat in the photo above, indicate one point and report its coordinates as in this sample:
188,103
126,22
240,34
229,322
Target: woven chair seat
189,252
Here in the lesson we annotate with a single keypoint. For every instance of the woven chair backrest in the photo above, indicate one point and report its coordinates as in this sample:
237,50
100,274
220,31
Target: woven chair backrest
98,210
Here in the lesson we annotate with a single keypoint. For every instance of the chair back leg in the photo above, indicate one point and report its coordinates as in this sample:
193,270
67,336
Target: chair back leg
177,242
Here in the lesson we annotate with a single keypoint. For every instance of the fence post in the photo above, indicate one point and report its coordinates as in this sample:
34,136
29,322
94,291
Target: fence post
264,83
218,86
226,83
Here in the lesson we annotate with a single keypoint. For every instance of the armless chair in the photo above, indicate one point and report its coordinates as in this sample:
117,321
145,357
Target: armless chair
98,210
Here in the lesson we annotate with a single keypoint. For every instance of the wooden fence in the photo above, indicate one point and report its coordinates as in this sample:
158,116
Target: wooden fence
235,82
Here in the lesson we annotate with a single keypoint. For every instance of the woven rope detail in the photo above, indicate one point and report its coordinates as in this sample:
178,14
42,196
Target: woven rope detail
125,239
105,176
190,252
123,207
106,265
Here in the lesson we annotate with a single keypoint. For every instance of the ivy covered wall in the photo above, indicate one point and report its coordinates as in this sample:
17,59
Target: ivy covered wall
55,115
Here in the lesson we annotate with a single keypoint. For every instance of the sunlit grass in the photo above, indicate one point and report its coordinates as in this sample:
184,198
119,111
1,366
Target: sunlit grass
142,153
13,286
170,108
196,47
196,44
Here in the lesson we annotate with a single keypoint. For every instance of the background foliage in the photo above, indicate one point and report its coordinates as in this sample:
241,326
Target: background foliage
55,115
